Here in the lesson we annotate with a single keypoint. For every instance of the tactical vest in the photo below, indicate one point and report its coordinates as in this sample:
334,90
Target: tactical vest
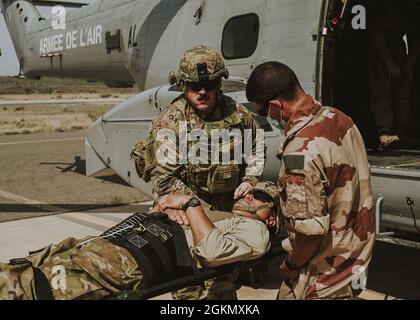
201,178
215,178
157,244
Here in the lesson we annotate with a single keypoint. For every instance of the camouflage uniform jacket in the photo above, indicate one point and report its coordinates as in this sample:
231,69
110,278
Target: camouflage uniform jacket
175,178
325,190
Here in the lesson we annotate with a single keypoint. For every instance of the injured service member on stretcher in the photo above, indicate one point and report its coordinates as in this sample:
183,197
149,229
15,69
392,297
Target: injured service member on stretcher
176,239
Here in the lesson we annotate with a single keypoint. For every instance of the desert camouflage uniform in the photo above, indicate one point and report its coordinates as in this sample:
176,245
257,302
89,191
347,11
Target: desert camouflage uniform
98,269
325,190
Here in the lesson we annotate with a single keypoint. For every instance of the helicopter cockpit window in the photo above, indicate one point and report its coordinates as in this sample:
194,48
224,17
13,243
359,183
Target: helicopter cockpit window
240,36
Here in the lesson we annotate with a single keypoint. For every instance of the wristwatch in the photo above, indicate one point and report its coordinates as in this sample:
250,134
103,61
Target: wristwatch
193,202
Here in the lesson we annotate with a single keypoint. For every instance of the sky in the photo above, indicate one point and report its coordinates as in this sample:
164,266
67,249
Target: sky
8,61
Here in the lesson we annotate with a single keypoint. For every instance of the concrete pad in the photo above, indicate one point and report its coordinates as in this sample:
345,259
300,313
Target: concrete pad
17,238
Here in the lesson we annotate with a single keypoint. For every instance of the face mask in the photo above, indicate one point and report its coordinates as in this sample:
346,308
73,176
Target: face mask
243,205
282,122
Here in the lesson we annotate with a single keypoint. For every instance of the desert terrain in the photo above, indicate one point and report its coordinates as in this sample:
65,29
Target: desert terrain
20,115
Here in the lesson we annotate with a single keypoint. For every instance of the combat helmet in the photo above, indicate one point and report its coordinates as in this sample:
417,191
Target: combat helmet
270,197
271,190
200,63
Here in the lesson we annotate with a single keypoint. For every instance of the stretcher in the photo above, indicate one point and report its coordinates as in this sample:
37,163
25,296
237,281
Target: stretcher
201,275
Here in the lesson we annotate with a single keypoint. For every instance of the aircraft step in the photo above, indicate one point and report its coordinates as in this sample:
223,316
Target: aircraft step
404,160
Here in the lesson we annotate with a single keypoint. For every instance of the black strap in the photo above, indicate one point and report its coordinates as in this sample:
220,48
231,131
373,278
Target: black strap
154,254
42,288
164,254
142,260
159,248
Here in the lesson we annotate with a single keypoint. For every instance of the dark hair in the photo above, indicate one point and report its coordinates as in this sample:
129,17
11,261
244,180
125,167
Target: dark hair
272,80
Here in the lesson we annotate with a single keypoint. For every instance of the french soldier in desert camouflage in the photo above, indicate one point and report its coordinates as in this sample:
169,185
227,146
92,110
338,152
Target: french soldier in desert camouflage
325,190
203,108
146,250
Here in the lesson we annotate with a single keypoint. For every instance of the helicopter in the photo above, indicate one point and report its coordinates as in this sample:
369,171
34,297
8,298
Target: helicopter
126,43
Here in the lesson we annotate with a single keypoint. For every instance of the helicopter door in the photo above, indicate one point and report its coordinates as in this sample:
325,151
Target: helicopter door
336,15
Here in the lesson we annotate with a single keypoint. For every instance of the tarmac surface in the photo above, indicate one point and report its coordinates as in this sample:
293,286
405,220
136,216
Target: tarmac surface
44,173
45,197
43,103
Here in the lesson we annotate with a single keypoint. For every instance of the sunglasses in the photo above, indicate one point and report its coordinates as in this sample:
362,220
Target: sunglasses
207,85
261,196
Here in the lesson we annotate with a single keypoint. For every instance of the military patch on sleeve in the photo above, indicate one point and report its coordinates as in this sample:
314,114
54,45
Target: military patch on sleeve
294,162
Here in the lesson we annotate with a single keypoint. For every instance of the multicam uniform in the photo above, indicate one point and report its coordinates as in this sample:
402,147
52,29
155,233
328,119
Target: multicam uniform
325,190
210,181
99,268
214,184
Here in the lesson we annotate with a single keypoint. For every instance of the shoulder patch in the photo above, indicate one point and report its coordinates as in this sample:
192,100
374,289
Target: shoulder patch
294,161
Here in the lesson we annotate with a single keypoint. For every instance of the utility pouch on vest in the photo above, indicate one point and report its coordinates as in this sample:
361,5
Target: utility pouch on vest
223,178
197,176
144,156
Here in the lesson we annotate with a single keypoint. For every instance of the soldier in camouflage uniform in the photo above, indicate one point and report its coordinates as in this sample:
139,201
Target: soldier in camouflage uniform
391,70
203,107
325,190
95,268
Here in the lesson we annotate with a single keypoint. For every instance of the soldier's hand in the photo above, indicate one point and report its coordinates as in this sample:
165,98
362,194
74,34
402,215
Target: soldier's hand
177,216
173,201
155,209
243,190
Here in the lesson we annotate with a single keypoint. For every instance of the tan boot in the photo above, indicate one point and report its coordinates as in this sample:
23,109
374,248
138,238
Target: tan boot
389,142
